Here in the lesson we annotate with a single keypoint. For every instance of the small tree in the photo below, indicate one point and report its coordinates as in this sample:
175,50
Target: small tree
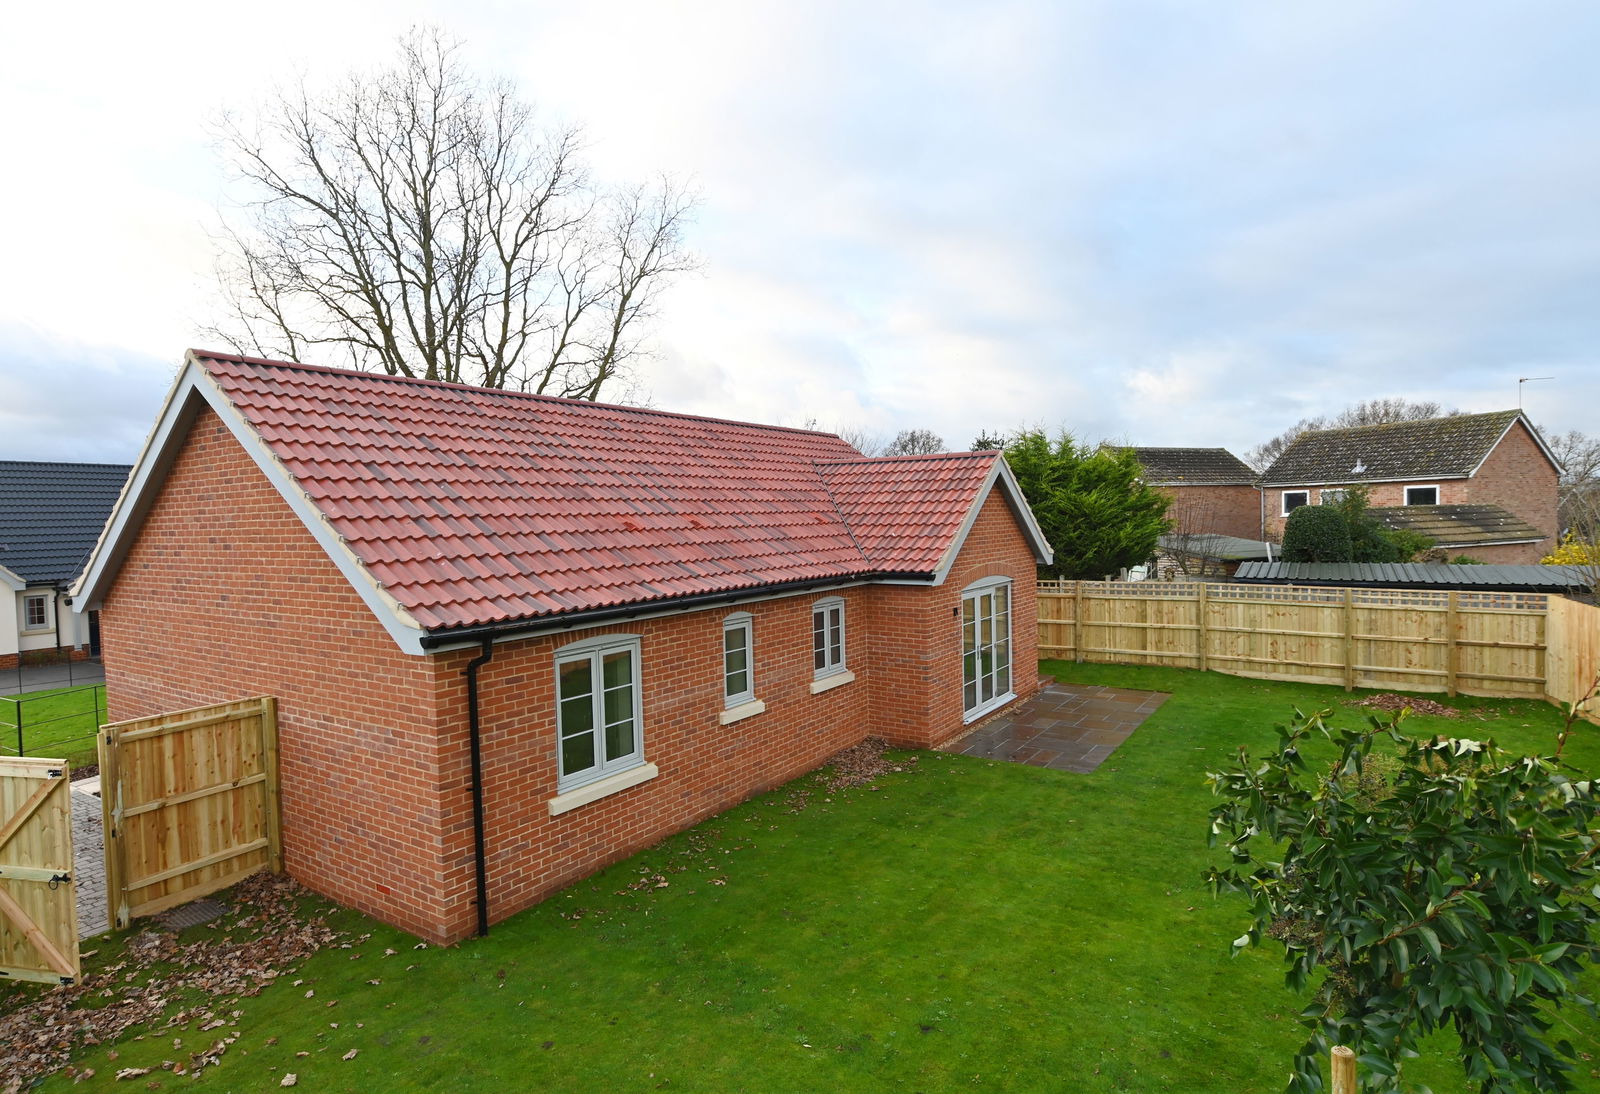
1316,533
1456,892
988,442
915,442
1091,503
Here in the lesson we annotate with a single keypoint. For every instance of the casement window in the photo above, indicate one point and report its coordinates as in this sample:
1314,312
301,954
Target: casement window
598,718
827,637
1332,497
1422,495
1294,499
35,613
985,646
738,668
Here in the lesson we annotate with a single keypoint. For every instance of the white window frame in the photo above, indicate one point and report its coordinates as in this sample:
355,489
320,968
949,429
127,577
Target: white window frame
43,601
1287,494
834,642
739,623
1424,486
1332,496
972,597
595,651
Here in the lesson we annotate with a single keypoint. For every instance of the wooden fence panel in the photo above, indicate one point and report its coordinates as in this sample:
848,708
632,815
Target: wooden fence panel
1490,644
1573,665
38,896
191,804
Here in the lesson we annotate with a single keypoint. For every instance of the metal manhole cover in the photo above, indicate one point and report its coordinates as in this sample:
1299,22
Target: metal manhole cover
192,914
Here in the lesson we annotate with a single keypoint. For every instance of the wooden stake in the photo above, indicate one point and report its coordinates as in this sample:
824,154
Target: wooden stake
1077,621
1202,610
1349,639
1452,652
1344,1070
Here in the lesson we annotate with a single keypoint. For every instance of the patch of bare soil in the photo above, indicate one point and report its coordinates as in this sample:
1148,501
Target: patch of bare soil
265,936
1392,703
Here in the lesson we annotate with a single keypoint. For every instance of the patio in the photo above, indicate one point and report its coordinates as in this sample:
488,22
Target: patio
1067,727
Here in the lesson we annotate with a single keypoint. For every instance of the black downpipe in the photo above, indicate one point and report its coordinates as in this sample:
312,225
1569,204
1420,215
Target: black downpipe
480,866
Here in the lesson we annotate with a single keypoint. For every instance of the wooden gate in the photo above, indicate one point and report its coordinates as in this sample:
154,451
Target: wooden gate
191,804
38,899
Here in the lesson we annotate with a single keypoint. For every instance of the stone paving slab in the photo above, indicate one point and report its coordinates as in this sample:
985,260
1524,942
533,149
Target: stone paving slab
1066,727
89,863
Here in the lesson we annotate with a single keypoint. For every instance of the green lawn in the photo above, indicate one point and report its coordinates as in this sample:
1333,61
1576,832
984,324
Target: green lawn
965,924
58,724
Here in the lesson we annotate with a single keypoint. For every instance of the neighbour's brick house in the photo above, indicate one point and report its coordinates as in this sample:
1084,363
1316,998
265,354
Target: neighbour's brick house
653,616
1479,484
1213,491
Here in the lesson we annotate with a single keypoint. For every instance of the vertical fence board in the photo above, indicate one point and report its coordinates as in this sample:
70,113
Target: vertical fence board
1490,644
1573,663
38,896
191,804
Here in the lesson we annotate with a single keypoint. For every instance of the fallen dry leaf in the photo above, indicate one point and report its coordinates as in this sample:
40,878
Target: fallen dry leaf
351,1055
290,1079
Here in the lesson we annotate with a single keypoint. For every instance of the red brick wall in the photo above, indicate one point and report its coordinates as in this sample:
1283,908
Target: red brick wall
1518,477
1218,510
225,595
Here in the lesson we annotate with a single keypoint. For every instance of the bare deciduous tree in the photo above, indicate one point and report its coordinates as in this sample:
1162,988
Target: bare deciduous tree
915,442
419,221
1579,455
1367,412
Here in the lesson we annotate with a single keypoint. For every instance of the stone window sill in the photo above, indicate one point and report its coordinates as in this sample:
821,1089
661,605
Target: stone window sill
828,683
602,788
741,712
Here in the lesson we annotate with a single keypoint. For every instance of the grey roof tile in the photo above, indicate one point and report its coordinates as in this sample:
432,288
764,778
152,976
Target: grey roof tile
1459,525
51,515
1193,467
1416,575
1434,448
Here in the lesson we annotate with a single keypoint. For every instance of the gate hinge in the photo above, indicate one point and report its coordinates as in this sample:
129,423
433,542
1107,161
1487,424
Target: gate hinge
68,980
53,772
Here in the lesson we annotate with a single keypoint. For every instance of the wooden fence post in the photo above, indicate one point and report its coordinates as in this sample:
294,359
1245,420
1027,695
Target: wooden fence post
1452,651
1203,637
269,762
1077,621
1349,639
1344,1070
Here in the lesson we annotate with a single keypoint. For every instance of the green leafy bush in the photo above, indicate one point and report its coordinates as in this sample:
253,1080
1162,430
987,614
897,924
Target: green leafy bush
1453,889
1316,533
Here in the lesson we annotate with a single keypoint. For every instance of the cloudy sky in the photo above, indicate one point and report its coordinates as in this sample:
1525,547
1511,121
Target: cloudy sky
1170,223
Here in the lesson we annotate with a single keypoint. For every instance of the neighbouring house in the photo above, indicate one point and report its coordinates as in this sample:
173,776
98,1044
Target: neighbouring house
641,618
1213,491
51,515
1479,484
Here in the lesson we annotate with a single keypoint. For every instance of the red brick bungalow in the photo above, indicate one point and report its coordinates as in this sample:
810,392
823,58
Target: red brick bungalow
641,618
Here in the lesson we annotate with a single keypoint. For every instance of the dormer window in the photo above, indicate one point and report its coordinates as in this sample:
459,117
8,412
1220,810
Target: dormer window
1422,495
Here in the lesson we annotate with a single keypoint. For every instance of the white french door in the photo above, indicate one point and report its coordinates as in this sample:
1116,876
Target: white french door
985,648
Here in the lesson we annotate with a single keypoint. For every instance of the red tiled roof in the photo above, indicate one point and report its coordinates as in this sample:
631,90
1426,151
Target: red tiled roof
905,510
474,506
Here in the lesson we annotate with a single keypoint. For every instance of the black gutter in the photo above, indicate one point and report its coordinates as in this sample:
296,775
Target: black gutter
480,867
565,620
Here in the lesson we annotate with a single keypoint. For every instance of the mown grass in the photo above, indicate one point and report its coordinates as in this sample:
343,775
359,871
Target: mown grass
966,924
60,724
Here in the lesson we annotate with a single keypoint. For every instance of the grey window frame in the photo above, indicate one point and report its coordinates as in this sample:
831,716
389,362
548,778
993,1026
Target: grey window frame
28,601
834,654
595,651
745,622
